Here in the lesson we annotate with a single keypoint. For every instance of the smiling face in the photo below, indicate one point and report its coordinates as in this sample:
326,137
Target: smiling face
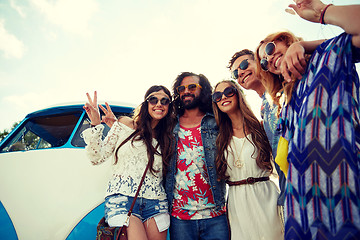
226,104
158,111
247,77
276,58
190,98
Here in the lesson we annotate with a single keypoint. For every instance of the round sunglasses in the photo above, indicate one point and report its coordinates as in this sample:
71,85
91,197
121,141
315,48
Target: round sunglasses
269,50
191,87
243,66
228,92
154,100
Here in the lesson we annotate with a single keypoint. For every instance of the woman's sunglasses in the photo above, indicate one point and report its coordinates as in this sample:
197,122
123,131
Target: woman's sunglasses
228,92
154,100
243,66
192,87
269,50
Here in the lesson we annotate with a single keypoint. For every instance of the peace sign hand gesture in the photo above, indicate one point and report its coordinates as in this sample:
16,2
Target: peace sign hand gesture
92,109
109,117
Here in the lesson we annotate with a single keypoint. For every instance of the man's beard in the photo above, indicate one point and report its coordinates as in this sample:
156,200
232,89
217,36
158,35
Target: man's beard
190,104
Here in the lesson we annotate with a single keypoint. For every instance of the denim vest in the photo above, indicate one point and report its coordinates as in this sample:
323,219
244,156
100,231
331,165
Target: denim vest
209,132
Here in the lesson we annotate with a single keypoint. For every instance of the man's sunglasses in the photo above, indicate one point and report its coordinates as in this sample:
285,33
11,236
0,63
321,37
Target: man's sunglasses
154,100
228,92
243,66
269,50
191,87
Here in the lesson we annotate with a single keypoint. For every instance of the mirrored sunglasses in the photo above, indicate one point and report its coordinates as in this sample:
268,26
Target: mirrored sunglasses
228,92
269,50
154,100
264,64
191,87
243,66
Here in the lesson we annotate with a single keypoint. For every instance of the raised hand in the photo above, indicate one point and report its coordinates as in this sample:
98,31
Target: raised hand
308,9
92,109
109,118
293,62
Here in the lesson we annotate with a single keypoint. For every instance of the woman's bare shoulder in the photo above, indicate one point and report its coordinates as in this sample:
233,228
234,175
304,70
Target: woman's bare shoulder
127,121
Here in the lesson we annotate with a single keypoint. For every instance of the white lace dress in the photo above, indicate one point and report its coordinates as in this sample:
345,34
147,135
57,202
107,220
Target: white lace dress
132,161
252,208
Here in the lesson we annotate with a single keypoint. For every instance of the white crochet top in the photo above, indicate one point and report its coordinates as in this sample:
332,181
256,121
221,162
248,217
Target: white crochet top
132,161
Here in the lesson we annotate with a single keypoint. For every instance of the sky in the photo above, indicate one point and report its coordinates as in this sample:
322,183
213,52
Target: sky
54,51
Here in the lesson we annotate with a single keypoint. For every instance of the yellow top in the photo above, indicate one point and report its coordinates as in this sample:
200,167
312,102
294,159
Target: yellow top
281,155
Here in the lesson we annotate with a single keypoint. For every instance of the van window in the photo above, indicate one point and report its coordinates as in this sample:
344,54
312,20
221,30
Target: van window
43,132
78,141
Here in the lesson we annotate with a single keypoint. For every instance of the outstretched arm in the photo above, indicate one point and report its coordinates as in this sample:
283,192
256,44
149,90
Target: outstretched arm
346,17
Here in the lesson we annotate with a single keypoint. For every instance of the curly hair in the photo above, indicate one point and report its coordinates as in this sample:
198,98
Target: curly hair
162,131
251,125
274,83
205,94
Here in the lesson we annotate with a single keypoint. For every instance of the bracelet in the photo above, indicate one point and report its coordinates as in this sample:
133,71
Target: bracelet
322,14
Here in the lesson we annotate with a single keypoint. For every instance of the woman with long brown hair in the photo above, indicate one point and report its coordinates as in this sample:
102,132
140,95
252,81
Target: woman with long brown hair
132,143
244,160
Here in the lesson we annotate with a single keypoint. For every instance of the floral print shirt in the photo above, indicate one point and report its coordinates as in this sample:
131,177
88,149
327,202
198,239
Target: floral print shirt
193,198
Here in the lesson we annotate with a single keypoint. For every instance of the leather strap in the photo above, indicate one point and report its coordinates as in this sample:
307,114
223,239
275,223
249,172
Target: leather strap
249,180
133,202
138,190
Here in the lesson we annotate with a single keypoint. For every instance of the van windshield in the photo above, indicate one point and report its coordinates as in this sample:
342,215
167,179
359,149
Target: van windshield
43,132
51,131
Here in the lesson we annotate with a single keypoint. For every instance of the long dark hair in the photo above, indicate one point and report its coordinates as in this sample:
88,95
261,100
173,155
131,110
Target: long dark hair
250,125
205,94
144,132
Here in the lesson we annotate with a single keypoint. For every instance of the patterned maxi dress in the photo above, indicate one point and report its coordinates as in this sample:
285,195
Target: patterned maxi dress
321,123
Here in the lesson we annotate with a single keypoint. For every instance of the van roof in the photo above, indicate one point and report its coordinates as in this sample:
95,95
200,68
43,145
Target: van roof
71,107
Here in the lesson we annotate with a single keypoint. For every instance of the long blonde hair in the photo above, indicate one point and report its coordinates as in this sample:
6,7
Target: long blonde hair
250,125
273,83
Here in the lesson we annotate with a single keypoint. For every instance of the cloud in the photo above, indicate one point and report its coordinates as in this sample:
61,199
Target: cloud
16,107
30,101
9,44
72,16
22,101
17,8
50,35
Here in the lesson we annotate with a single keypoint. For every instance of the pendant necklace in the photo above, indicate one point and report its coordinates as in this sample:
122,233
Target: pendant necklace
237,161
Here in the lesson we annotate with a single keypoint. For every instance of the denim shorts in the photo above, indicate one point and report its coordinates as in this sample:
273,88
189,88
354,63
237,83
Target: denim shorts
117,207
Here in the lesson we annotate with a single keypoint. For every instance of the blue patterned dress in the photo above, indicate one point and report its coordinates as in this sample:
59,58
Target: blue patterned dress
321,123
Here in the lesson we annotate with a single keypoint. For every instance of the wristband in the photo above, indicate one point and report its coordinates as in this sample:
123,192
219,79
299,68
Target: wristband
322,14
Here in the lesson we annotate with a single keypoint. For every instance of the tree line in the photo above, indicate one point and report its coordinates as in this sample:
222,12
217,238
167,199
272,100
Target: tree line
5,132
